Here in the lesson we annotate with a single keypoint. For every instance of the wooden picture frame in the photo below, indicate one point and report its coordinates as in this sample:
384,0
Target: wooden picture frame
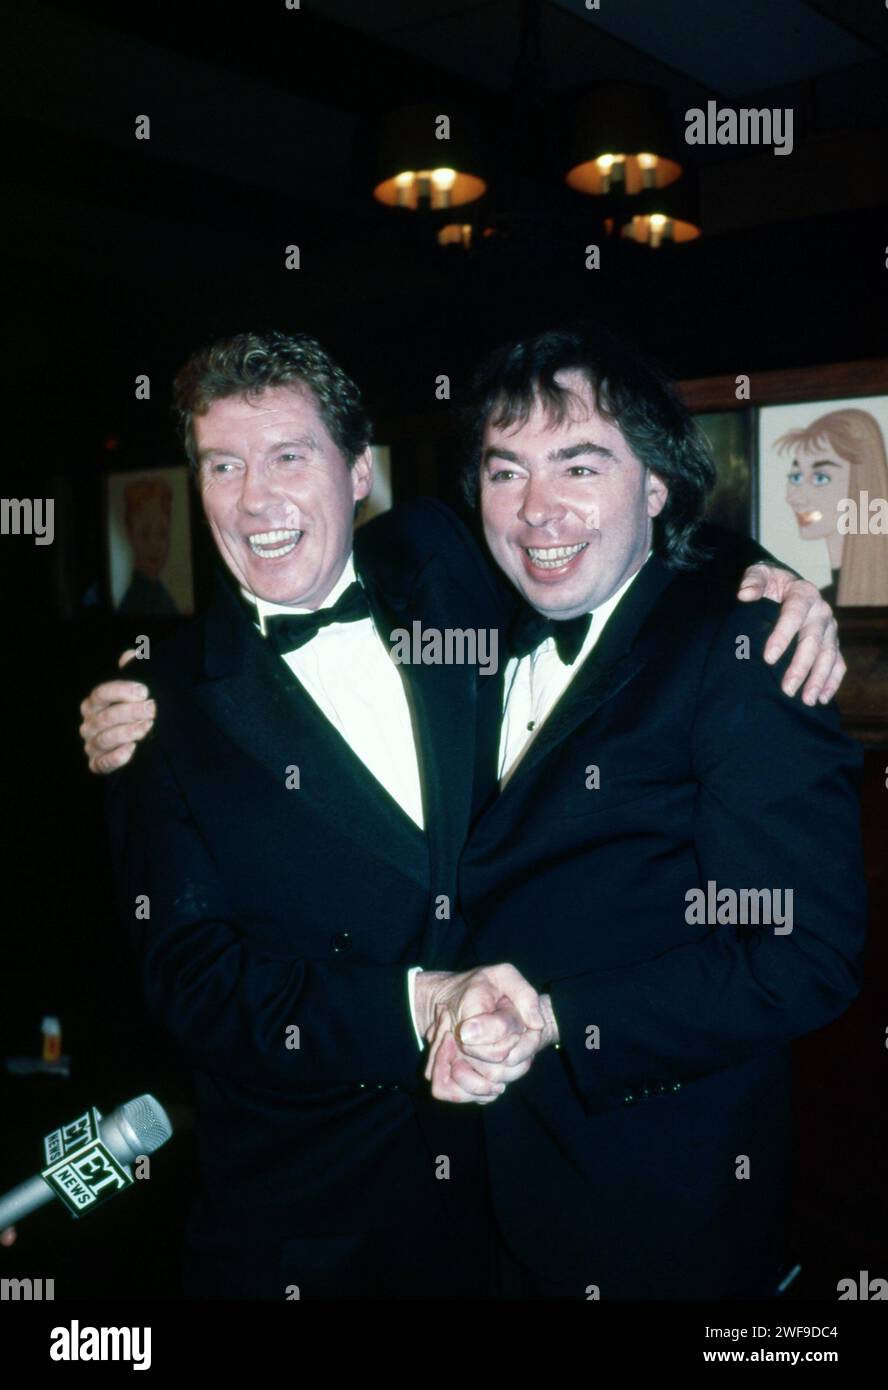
863,698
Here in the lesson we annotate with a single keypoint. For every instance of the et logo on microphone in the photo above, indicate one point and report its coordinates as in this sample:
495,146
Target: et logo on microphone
81,1169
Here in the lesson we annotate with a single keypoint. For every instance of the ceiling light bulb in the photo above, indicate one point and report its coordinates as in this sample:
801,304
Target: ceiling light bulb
648,166
605,164
657,223
403,188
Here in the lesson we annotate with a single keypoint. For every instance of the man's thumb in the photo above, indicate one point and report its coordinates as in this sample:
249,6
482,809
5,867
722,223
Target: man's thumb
490,1028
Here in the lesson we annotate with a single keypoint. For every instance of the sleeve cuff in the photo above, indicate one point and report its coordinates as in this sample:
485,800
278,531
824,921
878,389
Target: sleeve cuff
411,976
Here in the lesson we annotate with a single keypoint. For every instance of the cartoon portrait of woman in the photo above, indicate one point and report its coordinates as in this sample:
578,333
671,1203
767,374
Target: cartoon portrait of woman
837,469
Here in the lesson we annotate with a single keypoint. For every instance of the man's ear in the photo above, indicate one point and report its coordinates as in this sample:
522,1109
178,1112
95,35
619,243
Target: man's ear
657,493
362,475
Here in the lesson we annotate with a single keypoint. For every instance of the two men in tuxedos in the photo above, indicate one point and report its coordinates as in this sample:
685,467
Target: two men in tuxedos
312,825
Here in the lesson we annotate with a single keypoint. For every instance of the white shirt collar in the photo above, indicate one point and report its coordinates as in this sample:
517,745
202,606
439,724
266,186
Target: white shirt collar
265,608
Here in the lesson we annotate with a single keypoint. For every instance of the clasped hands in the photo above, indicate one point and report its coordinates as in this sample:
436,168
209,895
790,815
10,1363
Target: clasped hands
484,1027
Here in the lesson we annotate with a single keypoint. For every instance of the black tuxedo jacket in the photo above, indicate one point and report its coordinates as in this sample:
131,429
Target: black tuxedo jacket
273,907
618,1161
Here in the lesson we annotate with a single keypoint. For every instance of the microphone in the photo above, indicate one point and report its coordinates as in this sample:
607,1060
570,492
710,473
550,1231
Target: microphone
89,1159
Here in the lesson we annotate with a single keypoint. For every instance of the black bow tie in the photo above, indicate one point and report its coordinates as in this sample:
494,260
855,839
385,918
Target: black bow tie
287,631
530,628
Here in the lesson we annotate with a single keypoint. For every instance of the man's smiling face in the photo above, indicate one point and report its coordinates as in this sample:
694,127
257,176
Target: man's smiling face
567,509
278,494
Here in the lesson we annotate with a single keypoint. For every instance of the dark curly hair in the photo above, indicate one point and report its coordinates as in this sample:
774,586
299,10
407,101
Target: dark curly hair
250,363
629,390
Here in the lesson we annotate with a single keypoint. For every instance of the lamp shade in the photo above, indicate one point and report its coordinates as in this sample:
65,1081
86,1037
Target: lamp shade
413,167
620,138
663,216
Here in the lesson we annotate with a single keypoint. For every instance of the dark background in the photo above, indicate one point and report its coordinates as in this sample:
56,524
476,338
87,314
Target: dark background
124,255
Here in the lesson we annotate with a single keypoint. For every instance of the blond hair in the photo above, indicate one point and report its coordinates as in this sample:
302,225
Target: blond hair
856,437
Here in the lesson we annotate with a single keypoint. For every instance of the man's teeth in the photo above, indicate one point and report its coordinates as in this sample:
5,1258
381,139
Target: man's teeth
269,545
554,556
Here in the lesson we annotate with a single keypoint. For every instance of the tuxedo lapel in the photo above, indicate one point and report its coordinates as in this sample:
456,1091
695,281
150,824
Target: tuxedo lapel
592,688
615,660
250,693
252,696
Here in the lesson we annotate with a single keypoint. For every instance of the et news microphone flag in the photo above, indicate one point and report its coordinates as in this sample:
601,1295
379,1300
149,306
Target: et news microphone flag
88,1160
